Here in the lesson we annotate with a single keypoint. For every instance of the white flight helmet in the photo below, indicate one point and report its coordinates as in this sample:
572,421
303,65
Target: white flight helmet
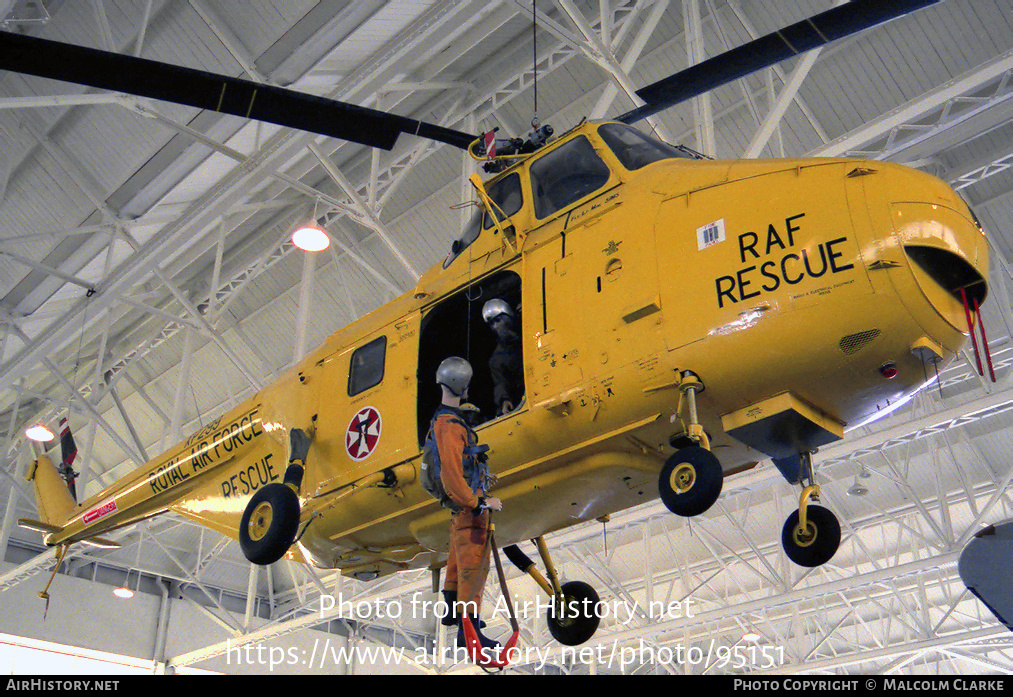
494,308
455,374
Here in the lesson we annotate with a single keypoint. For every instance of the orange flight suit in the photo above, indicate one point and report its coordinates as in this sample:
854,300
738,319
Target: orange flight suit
468,563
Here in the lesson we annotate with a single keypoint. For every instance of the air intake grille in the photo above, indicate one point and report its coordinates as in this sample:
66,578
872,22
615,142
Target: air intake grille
854,342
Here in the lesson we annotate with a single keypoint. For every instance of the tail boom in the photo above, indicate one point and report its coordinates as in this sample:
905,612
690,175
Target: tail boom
148,491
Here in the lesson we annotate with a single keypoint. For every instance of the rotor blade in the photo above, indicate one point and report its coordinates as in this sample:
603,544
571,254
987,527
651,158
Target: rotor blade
204,90
768,50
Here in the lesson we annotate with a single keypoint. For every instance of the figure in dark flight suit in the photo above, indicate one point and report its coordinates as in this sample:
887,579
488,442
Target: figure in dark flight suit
505,363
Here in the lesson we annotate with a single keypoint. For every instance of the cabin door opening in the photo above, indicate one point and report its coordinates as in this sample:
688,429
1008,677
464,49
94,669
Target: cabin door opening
454,327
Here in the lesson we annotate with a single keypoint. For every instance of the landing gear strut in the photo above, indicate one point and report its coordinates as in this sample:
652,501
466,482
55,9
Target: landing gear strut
690,480
574,617
811,535
271,518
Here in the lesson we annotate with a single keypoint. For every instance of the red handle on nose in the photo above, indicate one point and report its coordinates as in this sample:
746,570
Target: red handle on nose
970,330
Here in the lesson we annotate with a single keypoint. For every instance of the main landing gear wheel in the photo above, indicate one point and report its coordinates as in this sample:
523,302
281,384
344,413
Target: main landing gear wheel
690,481
816,543
269,524
575,614
576,619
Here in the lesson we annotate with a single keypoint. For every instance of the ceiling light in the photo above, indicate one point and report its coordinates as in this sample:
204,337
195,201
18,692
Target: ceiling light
311,238
751,637
858,489
39,433
124,591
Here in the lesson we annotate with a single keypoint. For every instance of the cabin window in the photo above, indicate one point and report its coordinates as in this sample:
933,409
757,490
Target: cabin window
633,149
506,194
566,174
454,327
366,369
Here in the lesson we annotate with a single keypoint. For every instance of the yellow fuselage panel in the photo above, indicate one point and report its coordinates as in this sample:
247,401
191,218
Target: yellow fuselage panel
774,295
658,281
674,271
762,277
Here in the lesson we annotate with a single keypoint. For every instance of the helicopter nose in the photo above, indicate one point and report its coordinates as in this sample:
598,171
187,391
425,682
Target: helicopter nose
929,244
948,255
926,252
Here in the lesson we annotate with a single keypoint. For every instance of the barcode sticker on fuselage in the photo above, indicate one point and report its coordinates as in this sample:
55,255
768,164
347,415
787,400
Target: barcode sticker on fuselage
710,234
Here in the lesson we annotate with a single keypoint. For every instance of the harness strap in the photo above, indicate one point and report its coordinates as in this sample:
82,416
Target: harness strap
475,469
502,660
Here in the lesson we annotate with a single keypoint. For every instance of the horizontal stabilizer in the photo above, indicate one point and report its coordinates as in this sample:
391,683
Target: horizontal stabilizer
39,526
101,543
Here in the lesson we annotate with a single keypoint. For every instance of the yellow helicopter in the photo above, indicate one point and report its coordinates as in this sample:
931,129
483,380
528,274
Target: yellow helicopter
671,336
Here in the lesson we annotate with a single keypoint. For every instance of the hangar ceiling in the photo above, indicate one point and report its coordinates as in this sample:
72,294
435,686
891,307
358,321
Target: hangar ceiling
148,284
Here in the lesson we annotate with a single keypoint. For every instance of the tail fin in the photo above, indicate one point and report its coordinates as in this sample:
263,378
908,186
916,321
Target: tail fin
52,497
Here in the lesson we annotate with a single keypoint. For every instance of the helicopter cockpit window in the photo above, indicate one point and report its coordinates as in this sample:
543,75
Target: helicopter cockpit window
506,194
566,174
634,149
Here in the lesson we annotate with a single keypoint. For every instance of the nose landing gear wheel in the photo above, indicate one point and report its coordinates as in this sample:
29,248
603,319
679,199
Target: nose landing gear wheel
690,481
576,618
269,524
817,543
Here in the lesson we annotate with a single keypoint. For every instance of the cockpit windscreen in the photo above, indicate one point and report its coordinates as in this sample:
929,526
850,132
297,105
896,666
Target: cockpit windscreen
506,196
634,149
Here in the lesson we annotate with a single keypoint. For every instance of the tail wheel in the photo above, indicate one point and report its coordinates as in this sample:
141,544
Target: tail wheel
690,481
269,523
576,619
815,544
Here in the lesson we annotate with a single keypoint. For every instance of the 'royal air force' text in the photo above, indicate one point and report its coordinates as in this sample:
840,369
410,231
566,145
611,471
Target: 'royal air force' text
215,445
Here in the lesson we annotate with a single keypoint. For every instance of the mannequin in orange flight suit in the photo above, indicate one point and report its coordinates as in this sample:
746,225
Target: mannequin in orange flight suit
468,562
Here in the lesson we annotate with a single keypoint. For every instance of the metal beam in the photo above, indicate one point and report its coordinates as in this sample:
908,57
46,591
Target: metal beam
228,38
693,22
912,111
781,104
199,317
595,49
369,215
88,407
631,56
